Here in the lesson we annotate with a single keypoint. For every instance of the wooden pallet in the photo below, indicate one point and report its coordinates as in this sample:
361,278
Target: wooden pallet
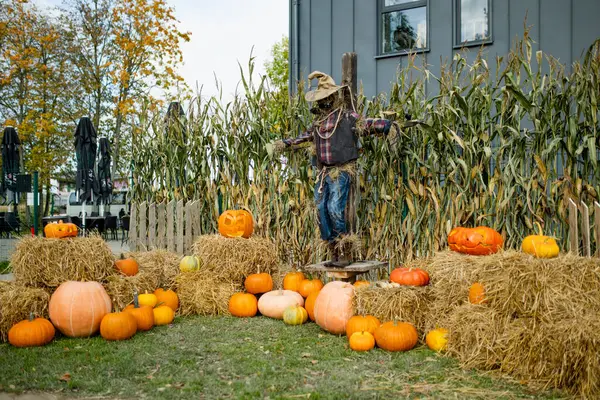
349,273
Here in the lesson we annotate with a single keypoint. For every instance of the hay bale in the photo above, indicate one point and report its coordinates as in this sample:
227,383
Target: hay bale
233,259
16,302
202,294
120,288
163,264
42,262
408,304
561,354
474,332
518,284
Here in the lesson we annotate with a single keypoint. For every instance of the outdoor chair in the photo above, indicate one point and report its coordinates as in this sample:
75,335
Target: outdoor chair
12,220
94,214
125,228
77,222
110,226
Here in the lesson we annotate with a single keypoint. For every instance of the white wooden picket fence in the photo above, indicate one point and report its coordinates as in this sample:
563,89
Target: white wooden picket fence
172,226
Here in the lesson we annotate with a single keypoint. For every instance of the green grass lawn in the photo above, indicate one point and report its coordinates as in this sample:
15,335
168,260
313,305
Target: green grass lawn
225,357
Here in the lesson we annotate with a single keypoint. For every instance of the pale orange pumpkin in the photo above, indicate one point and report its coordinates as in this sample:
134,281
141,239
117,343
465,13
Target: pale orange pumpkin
118,326
243,305
273,304
236,223
258,283
31,332
307,286
359,323
333,307
309,305
292,281
167,298
77,308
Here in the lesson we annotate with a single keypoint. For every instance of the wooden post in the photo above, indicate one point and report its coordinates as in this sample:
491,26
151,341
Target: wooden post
585,230
573,234
349,78
170,226
179,224
161,220
189,217
142,218
597,226
152,226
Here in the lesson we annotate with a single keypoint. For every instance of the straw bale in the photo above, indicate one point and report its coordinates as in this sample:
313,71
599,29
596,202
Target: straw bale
408,304
120,288
561,354
233,259
16,302
203,294
474,332
517,284
163,264
42,262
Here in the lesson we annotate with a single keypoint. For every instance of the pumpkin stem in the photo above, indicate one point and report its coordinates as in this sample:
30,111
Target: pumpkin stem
31,317
136,302
540,230
122,256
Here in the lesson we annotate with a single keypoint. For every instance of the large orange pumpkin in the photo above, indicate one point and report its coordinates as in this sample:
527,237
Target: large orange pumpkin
309,305
307,286
60,230
292,281
258,283
243,305
475,241
396,336
359,323
236,223
333,307
273,304
77,308
31,332
410,276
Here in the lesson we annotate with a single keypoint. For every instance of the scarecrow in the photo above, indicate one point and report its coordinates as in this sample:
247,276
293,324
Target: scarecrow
334,133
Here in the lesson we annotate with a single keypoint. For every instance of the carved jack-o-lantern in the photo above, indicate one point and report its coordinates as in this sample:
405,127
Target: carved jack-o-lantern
236,223
60,230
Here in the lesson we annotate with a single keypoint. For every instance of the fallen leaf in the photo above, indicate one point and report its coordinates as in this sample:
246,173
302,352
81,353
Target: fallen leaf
178,385
65,378
313,361
305,355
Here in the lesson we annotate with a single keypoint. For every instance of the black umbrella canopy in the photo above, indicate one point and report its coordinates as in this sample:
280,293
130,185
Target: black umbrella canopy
85,150
11,151
106,184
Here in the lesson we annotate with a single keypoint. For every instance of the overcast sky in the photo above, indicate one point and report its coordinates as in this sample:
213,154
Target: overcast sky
223,33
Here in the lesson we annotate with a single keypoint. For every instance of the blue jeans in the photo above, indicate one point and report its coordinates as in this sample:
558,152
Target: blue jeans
331,205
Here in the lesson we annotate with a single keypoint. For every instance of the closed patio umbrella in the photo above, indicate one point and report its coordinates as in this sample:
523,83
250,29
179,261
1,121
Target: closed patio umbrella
11,156
85,149
104,178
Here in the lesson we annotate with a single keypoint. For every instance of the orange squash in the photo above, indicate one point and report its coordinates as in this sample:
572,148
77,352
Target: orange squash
127,266
396,336
144,315
309,305
258,283
410,276
475,241
167,298
477,294
359,323
31,332
118,326
358,284
59,230
77,308
243,305
292,281
361,341
307,286
236,223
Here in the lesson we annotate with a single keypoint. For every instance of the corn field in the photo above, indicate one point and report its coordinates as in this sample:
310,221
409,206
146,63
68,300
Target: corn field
503,149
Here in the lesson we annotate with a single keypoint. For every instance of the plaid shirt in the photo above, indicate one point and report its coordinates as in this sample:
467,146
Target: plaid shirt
372,126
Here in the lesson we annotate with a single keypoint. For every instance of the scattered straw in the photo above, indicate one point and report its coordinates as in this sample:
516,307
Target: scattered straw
201,294
162,264
44,262
407,304
120,288
232,259
16,302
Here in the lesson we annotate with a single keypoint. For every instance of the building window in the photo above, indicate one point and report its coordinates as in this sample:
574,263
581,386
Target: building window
473,22
402,26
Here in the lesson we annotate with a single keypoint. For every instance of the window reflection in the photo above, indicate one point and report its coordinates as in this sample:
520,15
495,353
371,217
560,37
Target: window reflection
474,20
404,30
397,2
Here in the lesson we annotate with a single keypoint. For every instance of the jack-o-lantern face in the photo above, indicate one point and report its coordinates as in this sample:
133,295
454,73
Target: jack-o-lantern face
236,223
60,230
475,241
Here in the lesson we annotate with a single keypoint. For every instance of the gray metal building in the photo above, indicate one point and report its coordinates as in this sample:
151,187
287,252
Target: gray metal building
381,32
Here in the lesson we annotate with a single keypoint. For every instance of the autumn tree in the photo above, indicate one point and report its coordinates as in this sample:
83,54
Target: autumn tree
147,54
278,70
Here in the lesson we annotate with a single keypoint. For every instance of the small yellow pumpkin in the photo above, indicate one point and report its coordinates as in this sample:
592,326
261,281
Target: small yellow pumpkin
540,246
437,339
189,264
361,341
163,315
295,315
148,299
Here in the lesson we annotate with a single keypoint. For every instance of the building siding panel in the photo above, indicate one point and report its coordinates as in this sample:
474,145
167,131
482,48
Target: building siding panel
342,35
586,27
556,29
320,36
365,44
